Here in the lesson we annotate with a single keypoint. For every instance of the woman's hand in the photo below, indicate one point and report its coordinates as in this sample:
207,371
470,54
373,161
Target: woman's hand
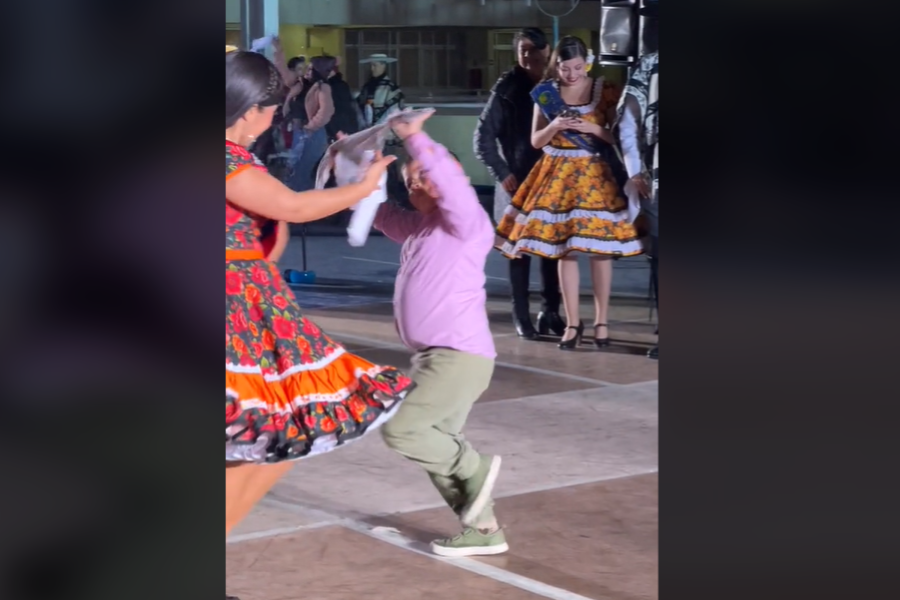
372,179
642,184
510,184
405,127
562,122
582,126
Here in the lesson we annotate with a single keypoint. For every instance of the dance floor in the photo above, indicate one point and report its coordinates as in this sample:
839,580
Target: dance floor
577,494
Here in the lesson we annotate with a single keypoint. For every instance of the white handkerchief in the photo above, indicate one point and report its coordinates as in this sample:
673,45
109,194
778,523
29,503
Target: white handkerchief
262,43
349,158
634,201
364,215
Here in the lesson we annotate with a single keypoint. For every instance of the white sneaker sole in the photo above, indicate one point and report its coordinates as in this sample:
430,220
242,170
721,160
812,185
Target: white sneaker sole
471,512
470,551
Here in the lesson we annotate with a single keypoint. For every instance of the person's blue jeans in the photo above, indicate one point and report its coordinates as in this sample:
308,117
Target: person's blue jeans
308,149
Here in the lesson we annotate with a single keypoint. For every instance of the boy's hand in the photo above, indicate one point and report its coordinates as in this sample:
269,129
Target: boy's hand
408,123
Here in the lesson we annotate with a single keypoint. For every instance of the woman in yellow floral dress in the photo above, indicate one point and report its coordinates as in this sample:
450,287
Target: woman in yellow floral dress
572,201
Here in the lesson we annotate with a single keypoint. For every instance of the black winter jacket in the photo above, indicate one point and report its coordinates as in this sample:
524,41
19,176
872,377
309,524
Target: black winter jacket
505,124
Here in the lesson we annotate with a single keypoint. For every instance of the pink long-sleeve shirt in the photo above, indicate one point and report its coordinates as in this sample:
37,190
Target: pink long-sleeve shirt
439,297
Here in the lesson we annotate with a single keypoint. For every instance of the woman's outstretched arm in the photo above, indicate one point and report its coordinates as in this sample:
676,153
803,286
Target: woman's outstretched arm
258,192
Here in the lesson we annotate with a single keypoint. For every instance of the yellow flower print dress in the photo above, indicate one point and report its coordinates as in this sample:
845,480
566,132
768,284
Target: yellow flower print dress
571,201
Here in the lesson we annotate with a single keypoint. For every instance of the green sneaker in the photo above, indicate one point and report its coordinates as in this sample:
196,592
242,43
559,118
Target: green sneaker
471,542
478,489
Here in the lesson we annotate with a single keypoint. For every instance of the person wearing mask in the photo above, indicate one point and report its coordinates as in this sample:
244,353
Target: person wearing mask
503,144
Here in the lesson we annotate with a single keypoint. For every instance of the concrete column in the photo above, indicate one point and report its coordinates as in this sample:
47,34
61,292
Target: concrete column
258,19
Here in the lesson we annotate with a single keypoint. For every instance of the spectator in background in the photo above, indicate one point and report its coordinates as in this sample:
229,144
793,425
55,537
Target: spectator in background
638,128
312,110
572,202
346,115
503,144
379,94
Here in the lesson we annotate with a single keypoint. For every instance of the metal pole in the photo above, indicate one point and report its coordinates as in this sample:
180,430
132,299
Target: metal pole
555,31
256,16
246,18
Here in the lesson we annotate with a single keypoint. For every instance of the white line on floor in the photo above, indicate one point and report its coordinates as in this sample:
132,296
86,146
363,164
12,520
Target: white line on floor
392,346
369,260
397,539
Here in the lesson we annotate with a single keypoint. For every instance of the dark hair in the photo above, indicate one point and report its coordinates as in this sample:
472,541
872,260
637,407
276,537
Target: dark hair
322,66
533,34
568,48
297,60
250,80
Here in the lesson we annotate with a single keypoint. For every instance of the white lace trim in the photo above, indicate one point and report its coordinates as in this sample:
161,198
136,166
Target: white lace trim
567,153
298,402
548,217
573,244
273,377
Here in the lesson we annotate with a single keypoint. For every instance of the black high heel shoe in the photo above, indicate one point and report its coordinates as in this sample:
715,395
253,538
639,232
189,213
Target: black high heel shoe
550,322
601,342
575,341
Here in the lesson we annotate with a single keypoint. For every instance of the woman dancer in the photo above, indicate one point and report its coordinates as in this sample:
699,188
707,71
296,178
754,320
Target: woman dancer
290,391
572,201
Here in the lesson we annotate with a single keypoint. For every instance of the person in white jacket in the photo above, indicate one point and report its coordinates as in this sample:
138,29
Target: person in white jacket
638,127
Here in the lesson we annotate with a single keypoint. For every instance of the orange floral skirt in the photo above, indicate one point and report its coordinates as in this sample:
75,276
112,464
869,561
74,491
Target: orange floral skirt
568,205
290,390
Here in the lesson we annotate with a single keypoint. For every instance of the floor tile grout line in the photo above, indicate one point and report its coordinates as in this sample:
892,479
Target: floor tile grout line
536,370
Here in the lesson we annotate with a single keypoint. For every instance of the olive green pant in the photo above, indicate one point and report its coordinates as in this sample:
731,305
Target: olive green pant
427,428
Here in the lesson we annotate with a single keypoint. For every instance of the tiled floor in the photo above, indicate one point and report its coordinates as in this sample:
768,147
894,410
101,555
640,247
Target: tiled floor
577,494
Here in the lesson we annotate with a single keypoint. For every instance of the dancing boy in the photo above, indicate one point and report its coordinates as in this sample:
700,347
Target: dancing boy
439,303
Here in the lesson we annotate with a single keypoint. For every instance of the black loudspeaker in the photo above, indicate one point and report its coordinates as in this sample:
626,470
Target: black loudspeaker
629,29
648,27
618,31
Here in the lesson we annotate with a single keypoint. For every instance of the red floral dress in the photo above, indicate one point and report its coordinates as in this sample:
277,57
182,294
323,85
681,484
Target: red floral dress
290,391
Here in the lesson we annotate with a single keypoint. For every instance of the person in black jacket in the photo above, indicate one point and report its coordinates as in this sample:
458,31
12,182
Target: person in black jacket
345,119
503,144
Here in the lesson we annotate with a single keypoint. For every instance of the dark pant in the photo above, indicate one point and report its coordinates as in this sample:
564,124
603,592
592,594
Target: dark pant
309,149
519,275
653,253
650,210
